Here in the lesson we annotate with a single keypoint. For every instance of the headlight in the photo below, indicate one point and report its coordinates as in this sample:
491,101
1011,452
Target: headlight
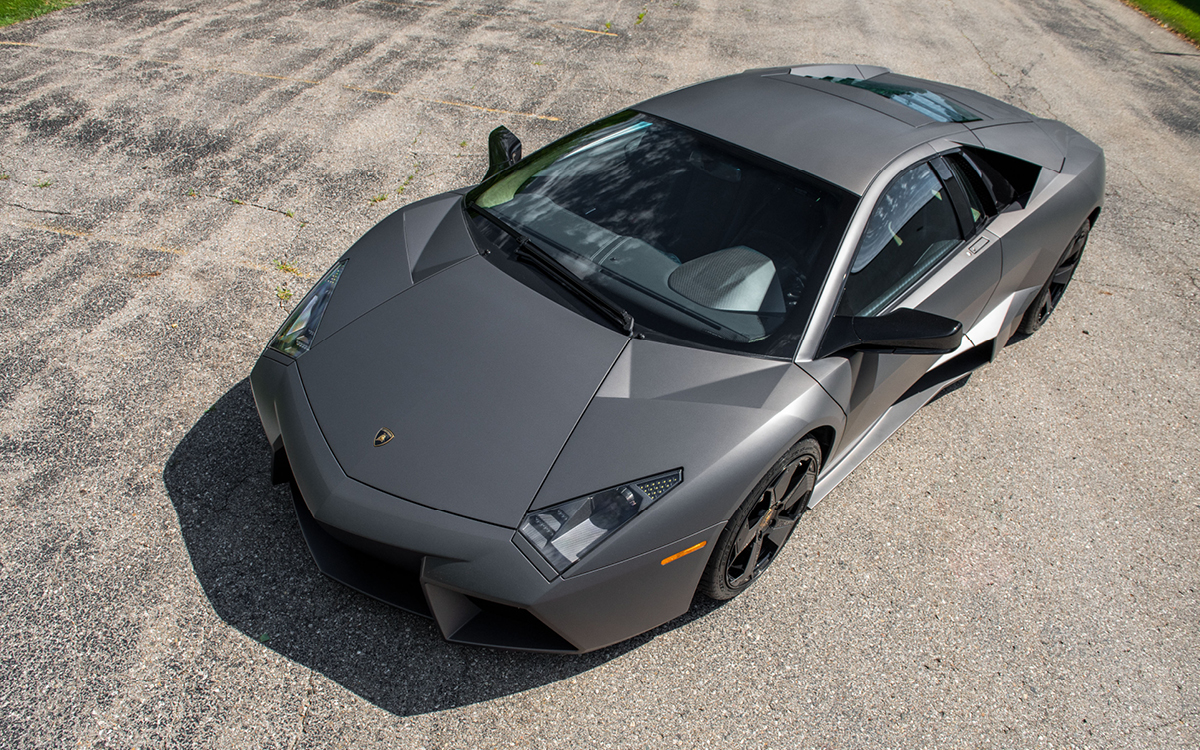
565,532
296,335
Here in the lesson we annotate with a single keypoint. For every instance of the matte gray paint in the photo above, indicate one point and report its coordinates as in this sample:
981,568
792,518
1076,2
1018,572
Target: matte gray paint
1034,237
622,600
421,220
591,611
839,70
724,418
376,270
853,454
480,378
795,125
413,242
1023,140
834,375
449,243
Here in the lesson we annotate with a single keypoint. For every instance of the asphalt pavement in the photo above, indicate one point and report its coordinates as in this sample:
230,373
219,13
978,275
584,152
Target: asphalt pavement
1016,568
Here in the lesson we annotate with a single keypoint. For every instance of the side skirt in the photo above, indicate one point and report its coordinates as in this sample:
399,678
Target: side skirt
922,392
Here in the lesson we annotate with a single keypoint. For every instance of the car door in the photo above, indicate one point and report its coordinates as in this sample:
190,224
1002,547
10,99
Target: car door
925,246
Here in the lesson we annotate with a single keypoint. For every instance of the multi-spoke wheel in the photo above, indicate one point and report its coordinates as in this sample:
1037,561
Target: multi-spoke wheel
1049,295
762,525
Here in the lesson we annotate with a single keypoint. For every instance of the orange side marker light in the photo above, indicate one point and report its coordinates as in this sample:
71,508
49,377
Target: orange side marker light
687,551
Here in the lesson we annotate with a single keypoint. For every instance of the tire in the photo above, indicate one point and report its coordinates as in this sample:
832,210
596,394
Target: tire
1049,295
763,523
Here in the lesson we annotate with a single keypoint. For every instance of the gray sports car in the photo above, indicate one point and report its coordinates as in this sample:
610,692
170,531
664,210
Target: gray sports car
547,410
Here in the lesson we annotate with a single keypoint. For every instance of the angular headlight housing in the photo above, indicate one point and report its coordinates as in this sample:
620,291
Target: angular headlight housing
297,333
566,532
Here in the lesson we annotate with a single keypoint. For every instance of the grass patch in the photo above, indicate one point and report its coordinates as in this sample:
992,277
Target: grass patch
283,265
15,11
1181,16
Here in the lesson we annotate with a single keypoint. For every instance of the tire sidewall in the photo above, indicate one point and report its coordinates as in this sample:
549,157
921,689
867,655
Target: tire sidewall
1030,323
714,583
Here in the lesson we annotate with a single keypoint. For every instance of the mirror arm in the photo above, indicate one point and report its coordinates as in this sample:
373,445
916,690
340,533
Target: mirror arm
838,337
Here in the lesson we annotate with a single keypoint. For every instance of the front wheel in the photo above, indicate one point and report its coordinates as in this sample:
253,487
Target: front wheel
1049,295
763,523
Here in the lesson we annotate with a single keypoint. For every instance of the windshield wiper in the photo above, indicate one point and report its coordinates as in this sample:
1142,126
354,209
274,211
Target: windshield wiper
534,255
530,253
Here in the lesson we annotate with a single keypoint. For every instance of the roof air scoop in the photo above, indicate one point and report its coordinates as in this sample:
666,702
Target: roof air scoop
839,70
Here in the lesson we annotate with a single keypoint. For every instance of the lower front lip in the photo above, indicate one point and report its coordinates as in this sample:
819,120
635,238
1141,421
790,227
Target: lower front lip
471,577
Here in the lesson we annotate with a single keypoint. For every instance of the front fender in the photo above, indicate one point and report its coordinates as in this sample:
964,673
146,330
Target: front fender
724,418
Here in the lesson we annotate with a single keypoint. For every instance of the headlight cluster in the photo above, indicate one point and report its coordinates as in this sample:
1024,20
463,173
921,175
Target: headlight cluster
565,532
296,335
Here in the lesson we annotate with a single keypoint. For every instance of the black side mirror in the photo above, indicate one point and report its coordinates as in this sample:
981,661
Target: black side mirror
504,150
901,332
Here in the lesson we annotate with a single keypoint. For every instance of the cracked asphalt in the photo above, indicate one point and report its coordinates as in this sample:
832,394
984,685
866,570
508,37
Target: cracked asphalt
1017,567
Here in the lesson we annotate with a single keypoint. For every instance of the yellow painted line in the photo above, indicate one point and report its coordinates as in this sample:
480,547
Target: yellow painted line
687,551
92,236
134,243
588,31
253,75
271,76
408,4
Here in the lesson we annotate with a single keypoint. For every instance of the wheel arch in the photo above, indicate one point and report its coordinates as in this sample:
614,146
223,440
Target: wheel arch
825,435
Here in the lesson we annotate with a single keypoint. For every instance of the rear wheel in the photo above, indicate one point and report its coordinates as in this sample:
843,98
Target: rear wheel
1048,297
763,523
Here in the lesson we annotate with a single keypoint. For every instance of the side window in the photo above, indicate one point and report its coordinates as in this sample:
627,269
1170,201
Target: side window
912,228
972,184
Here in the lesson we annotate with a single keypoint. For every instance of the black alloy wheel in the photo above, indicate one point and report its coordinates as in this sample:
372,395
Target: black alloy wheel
1050,294
763,523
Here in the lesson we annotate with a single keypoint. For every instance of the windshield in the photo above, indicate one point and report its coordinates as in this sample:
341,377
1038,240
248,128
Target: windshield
698,240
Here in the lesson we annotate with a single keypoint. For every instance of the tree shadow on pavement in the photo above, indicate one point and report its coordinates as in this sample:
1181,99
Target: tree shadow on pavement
245,546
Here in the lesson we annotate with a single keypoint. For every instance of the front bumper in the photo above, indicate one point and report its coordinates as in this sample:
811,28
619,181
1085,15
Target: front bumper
482,583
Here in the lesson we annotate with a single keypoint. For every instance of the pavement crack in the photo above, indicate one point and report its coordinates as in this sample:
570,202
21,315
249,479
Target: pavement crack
1012,90
40,210
1162,198
993,71
1139,290
252,204
304,706
1178,720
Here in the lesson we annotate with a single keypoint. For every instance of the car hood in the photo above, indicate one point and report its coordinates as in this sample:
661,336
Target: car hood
480,379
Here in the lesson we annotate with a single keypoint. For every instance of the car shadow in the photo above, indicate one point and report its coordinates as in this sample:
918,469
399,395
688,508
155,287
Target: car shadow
245,546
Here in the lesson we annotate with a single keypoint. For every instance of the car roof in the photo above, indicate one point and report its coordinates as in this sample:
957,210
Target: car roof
808,118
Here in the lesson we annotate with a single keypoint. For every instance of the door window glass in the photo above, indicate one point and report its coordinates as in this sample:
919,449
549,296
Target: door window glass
912,228
970,181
